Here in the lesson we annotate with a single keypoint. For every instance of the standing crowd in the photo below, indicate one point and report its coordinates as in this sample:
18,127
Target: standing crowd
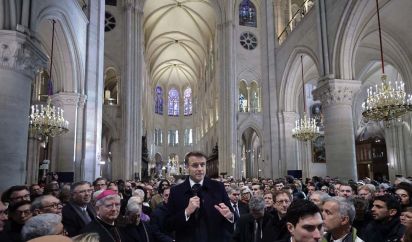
197,208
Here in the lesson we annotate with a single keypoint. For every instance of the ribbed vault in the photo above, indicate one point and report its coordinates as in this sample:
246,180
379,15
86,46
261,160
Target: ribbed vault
177,36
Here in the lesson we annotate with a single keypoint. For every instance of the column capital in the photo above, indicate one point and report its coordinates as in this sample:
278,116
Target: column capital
69,99
336,91
19,53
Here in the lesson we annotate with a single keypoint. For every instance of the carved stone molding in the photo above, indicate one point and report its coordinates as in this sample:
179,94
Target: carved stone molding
336,91
19,53
62,99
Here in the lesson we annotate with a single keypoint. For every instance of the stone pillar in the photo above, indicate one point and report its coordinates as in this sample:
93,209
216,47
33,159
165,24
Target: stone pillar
64,151
132,89
289,144
33,161
225,73
88,167
398,147
20,58
336,97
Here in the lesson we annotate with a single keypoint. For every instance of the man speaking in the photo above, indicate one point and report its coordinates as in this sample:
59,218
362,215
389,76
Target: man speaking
199,208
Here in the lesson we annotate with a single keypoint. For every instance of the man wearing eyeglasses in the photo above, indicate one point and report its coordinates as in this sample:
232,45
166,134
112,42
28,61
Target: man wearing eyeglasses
46,204
281,202
78,212
199,208
16,194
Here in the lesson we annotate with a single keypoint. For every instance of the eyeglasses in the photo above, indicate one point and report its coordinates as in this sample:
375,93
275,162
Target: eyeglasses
24,197
27,211
84,191
54,205
281,202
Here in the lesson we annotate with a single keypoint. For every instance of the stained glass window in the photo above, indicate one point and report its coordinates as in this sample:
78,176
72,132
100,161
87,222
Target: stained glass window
173,102
159,100
247,14
188,101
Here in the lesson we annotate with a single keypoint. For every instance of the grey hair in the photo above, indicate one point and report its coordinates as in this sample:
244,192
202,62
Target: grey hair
102,200
138,192
40,225
346,207
257,203
86,237
38,202
323,196
232,189
133,207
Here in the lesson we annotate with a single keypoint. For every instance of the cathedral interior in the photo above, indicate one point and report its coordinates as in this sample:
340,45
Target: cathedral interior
143,82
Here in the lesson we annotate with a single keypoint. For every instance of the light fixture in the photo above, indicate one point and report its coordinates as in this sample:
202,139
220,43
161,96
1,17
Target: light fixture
47,121
387,100
305,128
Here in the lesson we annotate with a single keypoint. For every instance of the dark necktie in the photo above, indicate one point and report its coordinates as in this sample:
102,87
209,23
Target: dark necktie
236,209
86,216
196,189
257,232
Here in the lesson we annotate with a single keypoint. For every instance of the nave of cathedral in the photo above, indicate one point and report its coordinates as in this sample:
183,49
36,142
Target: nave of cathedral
143,82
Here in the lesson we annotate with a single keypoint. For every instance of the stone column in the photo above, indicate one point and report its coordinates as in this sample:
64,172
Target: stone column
20,57
398,147
289,144
91,120
225,73
33,161
64,151
336,97
132,89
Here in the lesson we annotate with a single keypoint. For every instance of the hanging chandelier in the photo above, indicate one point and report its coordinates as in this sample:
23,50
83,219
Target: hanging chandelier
388,100
47,121
305,128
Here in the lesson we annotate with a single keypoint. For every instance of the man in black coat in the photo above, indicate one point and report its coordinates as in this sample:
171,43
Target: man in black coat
78,212
108,209
386,224
157,219
257,226
199,208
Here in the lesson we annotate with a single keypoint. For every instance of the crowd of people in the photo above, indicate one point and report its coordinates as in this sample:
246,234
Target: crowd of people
197,208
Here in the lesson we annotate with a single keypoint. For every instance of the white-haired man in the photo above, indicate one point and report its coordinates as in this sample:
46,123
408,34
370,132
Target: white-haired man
338,215
107,210
41,225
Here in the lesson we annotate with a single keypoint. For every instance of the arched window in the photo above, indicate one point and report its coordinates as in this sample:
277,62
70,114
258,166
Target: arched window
159,100
188,101
173,102
254,98
243,97
247,14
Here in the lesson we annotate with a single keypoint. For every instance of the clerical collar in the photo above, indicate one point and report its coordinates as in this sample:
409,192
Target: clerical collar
112,224
193,183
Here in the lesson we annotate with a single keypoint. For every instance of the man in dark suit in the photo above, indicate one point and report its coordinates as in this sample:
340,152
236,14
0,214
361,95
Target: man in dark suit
239,208
199,208
78,212
258,226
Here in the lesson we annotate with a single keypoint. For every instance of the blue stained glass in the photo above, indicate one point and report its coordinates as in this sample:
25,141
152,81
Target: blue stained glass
173,102
247,14
159,100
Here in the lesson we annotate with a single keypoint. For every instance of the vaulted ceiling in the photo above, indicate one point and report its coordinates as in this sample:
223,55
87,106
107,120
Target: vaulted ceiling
177,35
